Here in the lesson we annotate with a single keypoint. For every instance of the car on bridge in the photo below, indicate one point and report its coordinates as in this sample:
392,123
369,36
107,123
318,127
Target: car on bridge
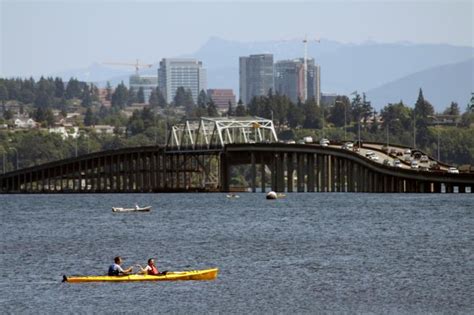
324,142
453,170
348,146
397,163
424,159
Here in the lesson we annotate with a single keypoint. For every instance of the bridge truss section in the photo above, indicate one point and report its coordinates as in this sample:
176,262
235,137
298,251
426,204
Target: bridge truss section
216,132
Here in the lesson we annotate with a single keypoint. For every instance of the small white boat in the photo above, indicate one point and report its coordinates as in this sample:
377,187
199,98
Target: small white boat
136,209
233,196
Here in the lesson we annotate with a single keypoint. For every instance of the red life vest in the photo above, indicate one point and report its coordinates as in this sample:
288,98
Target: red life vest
153,271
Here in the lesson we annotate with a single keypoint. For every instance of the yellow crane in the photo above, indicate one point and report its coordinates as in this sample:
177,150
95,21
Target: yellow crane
137,65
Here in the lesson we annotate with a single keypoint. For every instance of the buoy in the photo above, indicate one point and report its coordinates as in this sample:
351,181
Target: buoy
272,195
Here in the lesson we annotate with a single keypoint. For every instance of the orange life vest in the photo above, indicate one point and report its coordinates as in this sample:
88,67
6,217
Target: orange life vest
153,271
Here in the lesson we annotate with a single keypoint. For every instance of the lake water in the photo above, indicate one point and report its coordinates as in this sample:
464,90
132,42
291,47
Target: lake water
307,253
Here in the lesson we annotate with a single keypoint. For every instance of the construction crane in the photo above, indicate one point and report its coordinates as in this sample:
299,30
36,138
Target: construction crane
305,67
305,41
137,65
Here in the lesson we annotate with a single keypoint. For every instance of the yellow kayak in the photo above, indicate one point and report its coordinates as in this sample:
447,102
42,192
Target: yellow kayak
207,274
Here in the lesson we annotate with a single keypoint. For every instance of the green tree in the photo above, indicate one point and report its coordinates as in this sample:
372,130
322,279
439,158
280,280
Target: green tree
141,95
453,109
212,109
240,110
230,109
132,97
49,119
120,96
161,99
89,118
340,112
295,115
312,115
59,88
108,94
73,89
86,97
202,100
423,112
7,114
3,94
153,100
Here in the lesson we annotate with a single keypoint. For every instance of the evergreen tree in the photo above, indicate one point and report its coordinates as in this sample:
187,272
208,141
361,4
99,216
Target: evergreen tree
230,109
94,93
202,99
240,110
3,94
161,99
312,115
212,109
120,96
178,99
39,115
366,108
340,112
453,109
141,95
89,118
108,89
153,100
73,89
132,96
58,88
295,115
86,97
422,112
7,114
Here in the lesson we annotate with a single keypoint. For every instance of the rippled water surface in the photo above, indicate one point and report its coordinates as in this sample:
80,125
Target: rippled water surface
356,253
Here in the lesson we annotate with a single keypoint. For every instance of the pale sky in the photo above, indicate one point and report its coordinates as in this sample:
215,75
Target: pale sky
41,37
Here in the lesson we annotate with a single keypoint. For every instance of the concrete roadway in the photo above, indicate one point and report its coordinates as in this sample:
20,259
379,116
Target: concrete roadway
377,149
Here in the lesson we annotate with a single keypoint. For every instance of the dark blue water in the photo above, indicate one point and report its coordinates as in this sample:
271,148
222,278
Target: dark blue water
353,253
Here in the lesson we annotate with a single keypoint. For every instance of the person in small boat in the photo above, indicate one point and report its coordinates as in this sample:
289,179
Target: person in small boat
150,269
117,270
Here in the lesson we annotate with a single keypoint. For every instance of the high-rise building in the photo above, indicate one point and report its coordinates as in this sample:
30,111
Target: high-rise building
176,72
289,79
256,76
222,97
147,82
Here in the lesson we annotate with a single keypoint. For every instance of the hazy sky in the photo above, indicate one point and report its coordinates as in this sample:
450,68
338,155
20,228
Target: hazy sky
41,37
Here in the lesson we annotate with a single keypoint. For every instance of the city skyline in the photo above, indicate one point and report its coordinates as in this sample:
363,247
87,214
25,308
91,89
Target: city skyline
57,36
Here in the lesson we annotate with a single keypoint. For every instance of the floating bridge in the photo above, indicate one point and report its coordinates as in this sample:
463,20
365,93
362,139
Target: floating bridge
201,155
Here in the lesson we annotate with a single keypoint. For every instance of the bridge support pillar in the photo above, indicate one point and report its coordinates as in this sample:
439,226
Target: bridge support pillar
224,173
310,167
300,172
253,171
289,171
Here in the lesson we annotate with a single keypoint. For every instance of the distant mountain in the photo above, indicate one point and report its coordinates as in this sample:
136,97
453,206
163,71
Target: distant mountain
345,67
441,85
96,72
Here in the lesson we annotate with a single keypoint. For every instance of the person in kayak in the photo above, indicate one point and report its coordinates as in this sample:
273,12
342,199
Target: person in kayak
117,270
150,269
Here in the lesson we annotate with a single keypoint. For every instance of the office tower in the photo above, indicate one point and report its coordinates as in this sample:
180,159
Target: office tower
256,76
221,98
289,79
176,72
